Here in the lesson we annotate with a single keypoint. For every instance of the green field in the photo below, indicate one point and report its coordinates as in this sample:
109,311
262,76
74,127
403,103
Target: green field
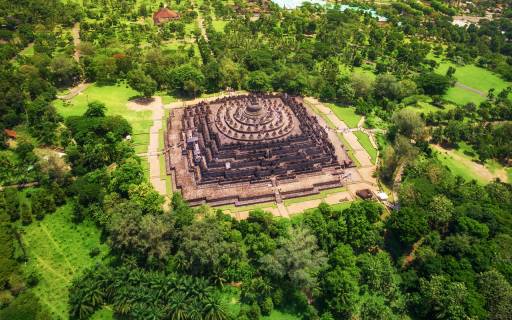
364,140
321,195
233,209
474,77
116,98
464,169
345,114
426,107
58,250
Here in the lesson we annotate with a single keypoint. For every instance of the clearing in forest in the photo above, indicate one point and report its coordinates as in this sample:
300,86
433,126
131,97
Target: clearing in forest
59,250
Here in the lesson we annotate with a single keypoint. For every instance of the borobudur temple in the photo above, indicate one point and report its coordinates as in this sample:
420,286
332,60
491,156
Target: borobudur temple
250,148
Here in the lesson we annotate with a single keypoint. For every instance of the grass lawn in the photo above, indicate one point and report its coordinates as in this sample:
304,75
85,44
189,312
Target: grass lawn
231,297
364,140
233,209
460,162
459,169
349,150
426,107
218,25
321,195
472,76
345,114
103,314
59,250
115,98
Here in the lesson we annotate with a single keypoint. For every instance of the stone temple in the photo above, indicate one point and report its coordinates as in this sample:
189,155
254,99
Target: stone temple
252,148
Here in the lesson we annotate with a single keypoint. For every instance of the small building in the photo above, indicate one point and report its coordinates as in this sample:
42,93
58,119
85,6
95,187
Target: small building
11,134
164,15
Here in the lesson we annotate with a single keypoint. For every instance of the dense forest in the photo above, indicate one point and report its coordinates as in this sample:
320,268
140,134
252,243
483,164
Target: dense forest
443,251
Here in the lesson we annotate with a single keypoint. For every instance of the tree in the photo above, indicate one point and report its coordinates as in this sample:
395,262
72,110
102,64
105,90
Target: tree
443,299
205,250
408,225
408,123
26,214
362,84
42,203
11,203
128,173
297,259
340,292
141,82
104,69
497,292
65,71
95,109
433,83
374,307
440,213
186,79
147,237
258,81
146,197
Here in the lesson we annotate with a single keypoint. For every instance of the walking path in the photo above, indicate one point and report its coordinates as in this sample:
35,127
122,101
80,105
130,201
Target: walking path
468,88
153,154
76,90
75,32
200,21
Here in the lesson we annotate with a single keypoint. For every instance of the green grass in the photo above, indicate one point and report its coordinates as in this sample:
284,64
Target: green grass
105,313
349,150
116,98
164,176
231,298
321,195
233,209
466,151
459,169
364,140
145,167
426,107
345,114
472,76
59,250
218,25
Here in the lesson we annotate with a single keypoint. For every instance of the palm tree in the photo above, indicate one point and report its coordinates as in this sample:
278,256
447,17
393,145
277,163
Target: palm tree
179,307
214,309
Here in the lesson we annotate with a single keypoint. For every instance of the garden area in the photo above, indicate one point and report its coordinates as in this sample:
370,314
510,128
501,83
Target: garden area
115,98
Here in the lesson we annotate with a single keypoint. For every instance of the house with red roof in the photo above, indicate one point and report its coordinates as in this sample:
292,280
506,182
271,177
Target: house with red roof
164,15
10,133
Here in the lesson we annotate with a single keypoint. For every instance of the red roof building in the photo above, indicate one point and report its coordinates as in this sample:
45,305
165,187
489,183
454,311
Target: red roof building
164,14
10,133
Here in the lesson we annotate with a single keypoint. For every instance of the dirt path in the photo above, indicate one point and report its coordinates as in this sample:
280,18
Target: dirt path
75,32
153,154
468,88
200,21
476,168
76,90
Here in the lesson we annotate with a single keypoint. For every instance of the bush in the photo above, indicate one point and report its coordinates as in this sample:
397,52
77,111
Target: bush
254,312
94,252
267,306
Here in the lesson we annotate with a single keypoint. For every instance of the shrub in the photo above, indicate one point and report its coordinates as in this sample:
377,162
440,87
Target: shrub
267,306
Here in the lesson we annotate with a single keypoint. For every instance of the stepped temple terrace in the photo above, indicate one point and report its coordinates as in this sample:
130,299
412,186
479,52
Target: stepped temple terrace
248,149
